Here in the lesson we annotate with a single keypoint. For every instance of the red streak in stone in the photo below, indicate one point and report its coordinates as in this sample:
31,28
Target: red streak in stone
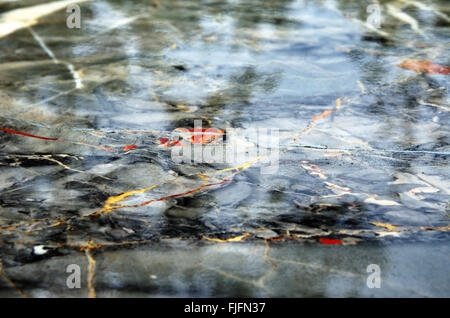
164,142
25,134
100,147
330,242
126,148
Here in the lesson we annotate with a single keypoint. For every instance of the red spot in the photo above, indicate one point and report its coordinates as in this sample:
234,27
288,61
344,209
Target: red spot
195,136
276,239
163,140
25,134
175,143
424,67
206,134
330,242
200,139
126,148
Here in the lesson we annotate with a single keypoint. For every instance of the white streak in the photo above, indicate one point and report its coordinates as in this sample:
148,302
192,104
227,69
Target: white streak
75,74
18,19
402,16
424,7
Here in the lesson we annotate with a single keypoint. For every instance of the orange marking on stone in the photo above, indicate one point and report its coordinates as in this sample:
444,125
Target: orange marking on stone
126,148
323,114
426,67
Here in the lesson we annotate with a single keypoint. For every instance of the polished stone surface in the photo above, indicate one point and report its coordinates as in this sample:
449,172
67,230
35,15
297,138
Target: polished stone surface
363,170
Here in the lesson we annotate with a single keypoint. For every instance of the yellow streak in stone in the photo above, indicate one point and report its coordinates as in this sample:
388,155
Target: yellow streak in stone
242,167
155,97
47,157
361,86
385,225
91,274
231,239
269,273
338,103
10,282
108,207
109,204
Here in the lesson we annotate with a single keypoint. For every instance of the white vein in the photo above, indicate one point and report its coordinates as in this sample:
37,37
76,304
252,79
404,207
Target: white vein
75,74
